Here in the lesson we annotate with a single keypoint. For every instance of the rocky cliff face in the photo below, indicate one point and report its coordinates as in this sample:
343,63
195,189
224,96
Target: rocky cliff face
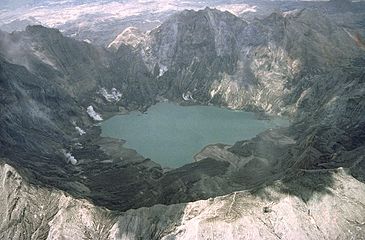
278,211
218,58
299,64
78,67
46,130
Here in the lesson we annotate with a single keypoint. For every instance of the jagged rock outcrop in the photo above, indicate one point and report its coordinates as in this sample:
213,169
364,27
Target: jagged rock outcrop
39,120
270,213
221,59
34,212
80,68
300,208
130,36
281,64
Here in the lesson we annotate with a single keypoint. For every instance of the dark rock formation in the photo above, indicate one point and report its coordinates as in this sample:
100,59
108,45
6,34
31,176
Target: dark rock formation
241,65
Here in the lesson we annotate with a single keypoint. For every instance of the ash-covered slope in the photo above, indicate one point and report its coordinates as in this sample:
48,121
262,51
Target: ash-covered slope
284,211
215,57
40,126
46,130
299,64
80,68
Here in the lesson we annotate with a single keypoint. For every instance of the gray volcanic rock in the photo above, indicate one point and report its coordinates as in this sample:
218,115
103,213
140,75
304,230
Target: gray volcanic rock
270,213
80,68
29,211
39,119
299,209
218,58
130,36
29,103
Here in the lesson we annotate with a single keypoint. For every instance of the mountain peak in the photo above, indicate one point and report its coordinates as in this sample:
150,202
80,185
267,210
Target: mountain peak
131,36
41,31
191,34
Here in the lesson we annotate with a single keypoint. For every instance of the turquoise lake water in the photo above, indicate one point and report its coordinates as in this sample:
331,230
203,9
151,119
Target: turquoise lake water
171,134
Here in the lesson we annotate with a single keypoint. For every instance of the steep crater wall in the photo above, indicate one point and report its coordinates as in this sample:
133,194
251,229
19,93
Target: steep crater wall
290,65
